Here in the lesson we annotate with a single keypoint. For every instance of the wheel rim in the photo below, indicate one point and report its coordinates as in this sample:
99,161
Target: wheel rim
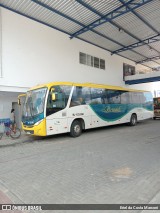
77,129
133,120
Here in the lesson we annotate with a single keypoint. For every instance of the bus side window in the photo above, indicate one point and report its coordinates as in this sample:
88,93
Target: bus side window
76,97
114,96
124,97
98,96
86,95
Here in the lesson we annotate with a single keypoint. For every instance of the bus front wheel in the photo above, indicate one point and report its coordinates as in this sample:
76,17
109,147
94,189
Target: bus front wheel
76,129
133,120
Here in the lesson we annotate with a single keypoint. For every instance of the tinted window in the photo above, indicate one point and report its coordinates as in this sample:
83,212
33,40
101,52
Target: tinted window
114,96
124,97
98,96
80,96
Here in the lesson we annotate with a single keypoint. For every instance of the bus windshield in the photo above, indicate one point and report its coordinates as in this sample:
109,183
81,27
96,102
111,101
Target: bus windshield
34,103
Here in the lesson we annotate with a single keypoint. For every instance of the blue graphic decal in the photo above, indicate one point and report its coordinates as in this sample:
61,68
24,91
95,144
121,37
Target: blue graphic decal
113,112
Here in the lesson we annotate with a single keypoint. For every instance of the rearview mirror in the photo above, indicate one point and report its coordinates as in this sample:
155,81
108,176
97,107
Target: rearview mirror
53,96
19,101
21,98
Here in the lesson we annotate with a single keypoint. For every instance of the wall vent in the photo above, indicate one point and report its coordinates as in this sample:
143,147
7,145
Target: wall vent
91,61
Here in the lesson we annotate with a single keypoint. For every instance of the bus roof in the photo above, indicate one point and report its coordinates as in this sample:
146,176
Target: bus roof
103,86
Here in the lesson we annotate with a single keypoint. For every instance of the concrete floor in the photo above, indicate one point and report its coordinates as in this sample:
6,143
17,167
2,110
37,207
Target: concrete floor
112,165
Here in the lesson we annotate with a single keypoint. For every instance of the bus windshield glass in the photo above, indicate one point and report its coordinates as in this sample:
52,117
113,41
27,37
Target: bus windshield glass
34,103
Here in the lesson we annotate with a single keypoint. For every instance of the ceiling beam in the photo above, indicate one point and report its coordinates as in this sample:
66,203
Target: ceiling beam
73,20
114,24
57,12
34,19
79,23
148,59
112,15
145,22
138,44
49,25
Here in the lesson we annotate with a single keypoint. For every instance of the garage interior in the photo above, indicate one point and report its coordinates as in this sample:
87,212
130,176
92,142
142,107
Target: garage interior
104,42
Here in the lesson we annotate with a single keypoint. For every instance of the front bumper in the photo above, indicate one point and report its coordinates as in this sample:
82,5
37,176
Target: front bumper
38,130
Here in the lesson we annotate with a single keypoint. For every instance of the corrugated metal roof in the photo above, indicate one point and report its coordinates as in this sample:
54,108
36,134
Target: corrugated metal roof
133,55
116,33
135,26
99,40
111,25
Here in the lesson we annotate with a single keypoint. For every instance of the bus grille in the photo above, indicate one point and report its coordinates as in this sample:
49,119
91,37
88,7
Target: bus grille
28,126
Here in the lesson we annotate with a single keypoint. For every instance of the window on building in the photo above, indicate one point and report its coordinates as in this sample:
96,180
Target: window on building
82,58
102,64
96,62
91,61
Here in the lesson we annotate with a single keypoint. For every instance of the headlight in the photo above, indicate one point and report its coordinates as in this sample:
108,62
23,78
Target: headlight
37,123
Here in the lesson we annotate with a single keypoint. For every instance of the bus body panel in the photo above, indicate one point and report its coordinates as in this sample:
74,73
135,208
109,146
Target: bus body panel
56,125
113,108
39,129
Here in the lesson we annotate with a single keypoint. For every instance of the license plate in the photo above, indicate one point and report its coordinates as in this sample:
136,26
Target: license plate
28,133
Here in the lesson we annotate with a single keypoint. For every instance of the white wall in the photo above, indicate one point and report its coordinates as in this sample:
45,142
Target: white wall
6,100
0,44
33,53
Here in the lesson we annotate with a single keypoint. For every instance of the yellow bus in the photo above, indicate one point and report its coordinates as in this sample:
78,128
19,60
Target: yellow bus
62,107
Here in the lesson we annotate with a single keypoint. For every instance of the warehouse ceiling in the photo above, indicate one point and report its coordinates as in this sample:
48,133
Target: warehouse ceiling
129,28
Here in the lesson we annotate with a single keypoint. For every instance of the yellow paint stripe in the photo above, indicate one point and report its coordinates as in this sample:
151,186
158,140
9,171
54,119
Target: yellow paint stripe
92,85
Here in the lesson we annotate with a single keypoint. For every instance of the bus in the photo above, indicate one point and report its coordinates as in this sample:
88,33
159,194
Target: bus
156,102
62,107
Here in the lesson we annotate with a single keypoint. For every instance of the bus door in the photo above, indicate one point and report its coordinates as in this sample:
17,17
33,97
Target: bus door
56,112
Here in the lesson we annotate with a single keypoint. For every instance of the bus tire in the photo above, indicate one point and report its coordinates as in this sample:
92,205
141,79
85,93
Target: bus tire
76,129
133,120
154,118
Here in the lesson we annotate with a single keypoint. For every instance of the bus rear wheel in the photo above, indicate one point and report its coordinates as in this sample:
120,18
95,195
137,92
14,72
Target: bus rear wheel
133,120
76,129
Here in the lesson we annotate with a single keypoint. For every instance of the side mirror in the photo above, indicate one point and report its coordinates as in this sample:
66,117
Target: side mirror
21,97
19,101
53,96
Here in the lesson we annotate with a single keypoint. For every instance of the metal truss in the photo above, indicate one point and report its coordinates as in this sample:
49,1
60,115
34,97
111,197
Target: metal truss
138,44
148,59
128,6
114,24
73,20
145,22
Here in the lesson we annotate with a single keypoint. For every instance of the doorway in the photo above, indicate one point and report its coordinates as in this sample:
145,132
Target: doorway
17,113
